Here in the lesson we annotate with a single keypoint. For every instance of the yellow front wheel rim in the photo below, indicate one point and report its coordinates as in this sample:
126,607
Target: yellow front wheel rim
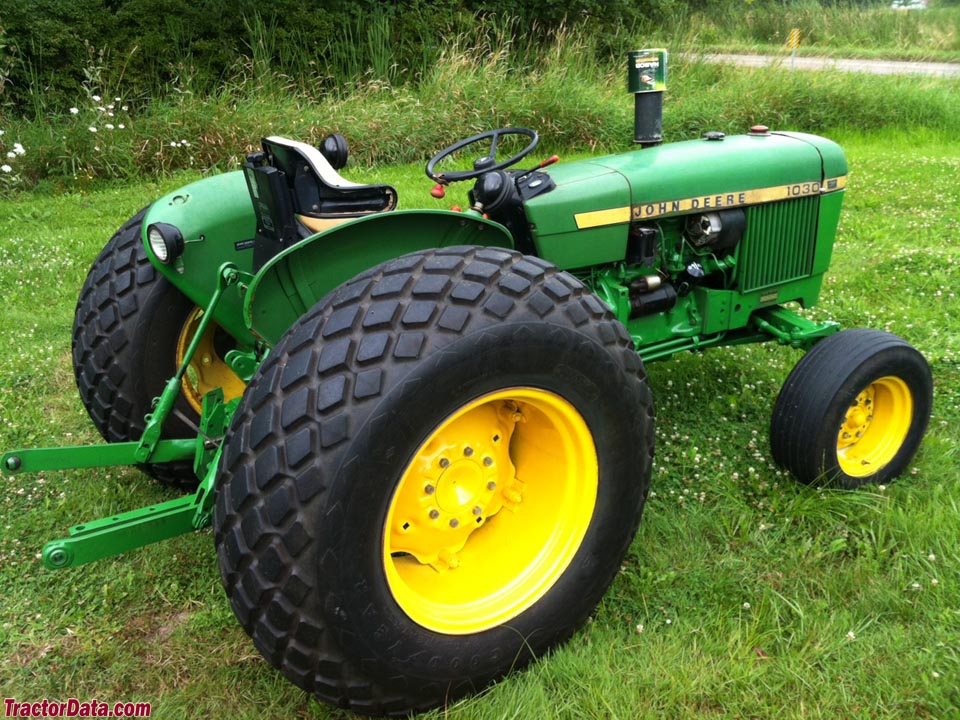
490,511
875,427
207,369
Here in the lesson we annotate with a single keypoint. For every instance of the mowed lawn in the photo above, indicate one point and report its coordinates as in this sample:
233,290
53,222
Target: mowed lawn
743,595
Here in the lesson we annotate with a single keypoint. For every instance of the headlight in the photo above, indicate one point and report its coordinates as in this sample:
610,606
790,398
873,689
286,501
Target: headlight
166,241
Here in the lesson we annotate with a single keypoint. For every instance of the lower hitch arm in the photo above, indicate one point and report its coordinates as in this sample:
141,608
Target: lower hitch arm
129,530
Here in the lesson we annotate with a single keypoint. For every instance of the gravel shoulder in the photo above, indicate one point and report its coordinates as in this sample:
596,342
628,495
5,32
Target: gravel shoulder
874,67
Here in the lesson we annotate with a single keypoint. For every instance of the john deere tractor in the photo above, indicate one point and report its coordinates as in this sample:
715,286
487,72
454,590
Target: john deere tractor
423,438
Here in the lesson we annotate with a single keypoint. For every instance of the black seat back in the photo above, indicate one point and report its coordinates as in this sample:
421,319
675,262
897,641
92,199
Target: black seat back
291,178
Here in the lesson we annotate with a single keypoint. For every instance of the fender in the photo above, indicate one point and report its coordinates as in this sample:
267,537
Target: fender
293,281
218,224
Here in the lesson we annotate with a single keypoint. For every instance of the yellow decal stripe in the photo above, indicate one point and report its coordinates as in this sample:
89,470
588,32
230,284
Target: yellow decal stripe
721,201
602,217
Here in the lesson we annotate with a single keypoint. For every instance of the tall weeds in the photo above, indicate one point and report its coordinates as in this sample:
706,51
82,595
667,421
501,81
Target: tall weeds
567,83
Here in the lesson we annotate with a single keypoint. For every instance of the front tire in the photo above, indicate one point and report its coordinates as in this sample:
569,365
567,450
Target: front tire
853,410
433,478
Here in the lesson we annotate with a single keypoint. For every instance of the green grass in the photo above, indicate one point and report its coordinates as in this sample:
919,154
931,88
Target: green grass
744,594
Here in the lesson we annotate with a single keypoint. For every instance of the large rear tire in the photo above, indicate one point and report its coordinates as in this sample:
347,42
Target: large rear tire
853,410
433,478
130,327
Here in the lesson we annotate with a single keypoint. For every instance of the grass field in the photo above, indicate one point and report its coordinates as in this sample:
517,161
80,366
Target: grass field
743,595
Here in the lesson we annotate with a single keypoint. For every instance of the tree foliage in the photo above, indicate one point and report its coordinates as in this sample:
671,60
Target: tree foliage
65,49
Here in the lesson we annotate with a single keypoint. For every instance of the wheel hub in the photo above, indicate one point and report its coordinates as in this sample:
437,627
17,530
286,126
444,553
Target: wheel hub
462,471
857,420
460,487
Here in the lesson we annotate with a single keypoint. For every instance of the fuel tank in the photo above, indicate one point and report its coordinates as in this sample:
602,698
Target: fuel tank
586,219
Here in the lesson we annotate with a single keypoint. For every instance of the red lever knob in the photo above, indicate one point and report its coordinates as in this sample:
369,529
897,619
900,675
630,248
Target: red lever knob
438,191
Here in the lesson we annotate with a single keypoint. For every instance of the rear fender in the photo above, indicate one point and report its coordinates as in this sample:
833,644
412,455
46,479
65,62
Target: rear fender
215,216
293,281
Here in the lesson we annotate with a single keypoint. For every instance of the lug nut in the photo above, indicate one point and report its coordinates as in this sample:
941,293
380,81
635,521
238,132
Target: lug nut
477,510
454,523
488,461
444,463
429,489
468,451
434,514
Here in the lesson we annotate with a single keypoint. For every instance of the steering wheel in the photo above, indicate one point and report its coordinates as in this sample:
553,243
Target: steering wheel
488,162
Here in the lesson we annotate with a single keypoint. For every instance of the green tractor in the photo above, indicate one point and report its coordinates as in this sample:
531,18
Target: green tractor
424,438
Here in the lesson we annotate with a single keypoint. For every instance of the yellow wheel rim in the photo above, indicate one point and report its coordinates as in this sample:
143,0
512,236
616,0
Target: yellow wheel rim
490,511
207,369
874,427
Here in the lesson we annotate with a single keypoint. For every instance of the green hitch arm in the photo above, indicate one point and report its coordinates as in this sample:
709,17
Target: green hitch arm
134,529
88,456
226,276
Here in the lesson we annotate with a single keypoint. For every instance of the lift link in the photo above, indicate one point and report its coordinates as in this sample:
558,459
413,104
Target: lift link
227,275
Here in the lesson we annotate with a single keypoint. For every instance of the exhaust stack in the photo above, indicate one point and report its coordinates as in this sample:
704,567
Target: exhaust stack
647,79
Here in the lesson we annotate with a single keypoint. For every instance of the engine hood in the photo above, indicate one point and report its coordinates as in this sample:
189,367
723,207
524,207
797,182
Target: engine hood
584,220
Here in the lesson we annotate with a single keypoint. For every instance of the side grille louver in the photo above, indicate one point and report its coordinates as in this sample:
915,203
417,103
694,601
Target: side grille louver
778,245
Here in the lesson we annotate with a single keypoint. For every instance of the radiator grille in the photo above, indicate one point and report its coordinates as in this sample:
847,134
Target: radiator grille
778,245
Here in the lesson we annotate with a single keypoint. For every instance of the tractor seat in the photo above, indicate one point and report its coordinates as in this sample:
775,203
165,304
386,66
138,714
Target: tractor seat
317,189
296,192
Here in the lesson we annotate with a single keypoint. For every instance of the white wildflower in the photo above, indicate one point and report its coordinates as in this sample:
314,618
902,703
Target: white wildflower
746,606
109,126
18,149
92,128
6,168
95,98
74,111
11,155
121,126
851,636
